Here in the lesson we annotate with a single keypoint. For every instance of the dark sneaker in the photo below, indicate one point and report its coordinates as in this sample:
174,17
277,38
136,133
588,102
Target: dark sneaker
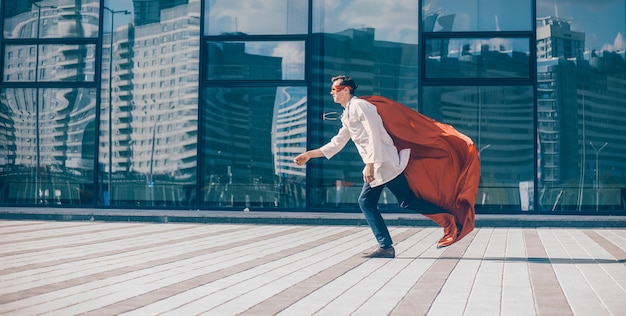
381,253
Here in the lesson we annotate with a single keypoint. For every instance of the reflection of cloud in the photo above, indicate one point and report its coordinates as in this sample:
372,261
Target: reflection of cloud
291,54
426,8
585,15
245,16
293,59
290,51
619,44
394,20
260,48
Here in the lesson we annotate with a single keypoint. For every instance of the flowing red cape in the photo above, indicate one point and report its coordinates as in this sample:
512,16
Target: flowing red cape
444,167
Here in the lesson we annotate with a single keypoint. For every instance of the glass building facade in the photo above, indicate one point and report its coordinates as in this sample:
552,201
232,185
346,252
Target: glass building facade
202,104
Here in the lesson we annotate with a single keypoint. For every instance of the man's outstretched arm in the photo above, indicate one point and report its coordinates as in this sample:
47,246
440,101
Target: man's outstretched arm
302,158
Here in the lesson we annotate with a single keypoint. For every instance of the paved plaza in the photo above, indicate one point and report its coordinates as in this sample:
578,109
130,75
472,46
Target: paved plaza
148,268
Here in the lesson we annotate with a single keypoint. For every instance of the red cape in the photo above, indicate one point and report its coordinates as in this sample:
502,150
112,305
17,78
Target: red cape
444,167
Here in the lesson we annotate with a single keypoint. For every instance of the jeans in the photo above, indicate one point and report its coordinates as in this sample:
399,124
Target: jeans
368,202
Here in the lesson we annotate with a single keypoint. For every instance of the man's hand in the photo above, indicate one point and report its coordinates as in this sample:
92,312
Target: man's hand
368,173
301,159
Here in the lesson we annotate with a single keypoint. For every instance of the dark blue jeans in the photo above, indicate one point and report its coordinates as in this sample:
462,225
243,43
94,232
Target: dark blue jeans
368,202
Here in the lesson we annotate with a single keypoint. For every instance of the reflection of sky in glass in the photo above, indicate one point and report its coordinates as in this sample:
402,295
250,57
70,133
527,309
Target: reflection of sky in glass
120,18
483,15
602,21
256,16
289,129
292,54
393,20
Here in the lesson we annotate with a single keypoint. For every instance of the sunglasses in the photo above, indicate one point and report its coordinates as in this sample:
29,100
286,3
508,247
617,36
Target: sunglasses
338,88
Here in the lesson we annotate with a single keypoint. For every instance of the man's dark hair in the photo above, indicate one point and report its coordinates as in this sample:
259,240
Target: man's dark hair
346,81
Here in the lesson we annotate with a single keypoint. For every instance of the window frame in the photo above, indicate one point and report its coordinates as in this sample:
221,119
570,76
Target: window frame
532,71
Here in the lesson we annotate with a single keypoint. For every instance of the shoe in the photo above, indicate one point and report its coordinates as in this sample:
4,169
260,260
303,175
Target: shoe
450,228
451,233
381,253
445,241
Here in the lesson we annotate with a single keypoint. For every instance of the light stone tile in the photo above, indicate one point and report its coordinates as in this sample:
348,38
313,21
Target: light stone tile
329,292
517,296
64,268
579,293
396,289
273,277
455,293
60,273
195,299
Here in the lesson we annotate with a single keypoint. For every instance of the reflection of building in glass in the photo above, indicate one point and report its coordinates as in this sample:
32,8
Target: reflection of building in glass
155,73
289,128
289,131
550,123
384,68
252,134
555,38
51,129
580,104
7,135
63,116
238,165
443,23
499,120
477,58
231,61
149,11
255,114
59,18
119,95
379,67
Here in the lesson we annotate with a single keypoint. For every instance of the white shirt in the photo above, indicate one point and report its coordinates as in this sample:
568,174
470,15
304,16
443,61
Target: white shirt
361,123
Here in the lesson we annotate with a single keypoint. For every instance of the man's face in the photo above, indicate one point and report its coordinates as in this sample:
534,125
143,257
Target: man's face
341,94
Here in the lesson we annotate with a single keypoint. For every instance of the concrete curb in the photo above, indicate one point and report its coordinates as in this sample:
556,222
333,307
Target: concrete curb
298,218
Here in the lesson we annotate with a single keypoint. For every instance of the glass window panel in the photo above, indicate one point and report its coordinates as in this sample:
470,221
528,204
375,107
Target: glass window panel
385,68
256,17
69,63
477,58
581,107
382,20
48,150
477,15
600,26
256,60
149,104
152,148
376,43
336,183
251,138
500,121
51,19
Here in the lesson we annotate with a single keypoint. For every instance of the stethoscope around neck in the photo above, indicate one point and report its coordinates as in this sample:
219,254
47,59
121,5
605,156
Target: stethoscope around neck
331,116
334,115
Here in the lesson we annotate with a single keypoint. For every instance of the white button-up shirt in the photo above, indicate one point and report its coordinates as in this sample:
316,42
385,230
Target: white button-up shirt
361,123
